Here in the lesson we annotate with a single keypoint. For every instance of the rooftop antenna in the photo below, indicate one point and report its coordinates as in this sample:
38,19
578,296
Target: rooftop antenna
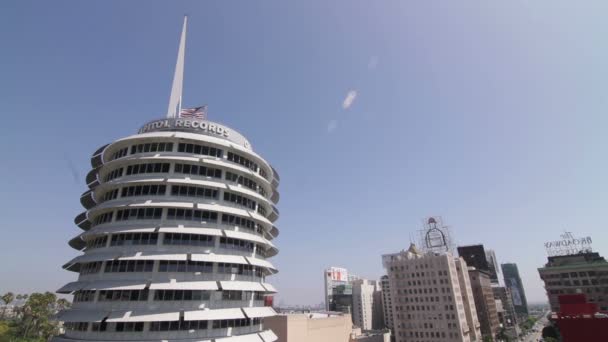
175,100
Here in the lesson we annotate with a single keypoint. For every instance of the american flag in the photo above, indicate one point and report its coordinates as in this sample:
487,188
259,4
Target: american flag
194,113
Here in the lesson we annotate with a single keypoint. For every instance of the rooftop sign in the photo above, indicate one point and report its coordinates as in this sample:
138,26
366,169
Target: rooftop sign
568,245
196,126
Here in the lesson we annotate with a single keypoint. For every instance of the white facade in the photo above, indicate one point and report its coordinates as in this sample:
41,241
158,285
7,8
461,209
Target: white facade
431,296
363,303
177,237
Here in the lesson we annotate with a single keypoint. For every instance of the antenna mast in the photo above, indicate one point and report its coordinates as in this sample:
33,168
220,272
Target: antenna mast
175,100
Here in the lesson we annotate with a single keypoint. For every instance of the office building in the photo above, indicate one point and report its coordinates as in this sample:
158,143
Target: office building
506,315
176,236
365,310
582,273
514,284
485,303
493,265
339,289
387,303
378,309
431,296
480,258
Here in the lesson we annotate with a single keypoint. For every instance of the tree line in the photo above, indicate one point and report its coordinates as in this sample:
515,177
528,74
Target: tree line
32,320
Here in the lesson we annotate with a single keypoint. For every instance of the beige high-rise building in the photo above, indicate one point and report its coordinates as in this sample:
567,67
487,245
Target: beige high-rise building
485,304
431,296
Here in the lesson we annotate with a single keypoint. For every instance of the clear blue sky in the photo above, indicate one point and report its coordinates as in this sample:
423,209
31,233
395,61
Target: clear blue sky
490,114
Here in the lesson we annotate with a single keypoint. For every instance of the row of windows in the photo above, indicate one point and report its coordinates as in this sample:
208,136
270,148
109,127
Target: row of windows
120,153
191,215
236,158
98,242
139,214
162,295
122,295
178,214
110,195
143,190
199,149
185,266
103,218
188,169
152,147
179,239
184,191
148,168
114,266
245,181
188,239
237,244
128,239
189,148
194,325
198,170
238,199
113,174
193,191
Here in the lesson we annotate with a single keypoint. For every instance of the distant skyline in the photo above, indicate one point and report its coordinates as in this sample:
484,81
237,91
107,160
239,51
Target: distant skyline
375,114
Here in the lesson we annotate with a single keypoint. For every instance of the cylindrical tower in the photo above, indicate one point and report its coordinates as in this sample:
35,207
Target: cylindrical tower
178,231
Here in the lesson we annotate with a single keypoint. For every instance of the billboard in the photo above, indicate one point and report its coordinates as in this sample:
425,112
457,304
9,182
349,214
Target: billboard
338,274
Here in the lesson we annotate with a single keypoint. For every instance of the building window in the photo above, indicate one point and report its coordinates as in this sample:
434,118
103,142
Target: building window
178,325
84,296
238,159
129,326
76,326
185,266
143,190
120,153
232,295
193,191
120,266
128,239
198,170
90,267
238,199
123,295
245,181
188,239
179,295
241,222
152,147
191,215
139,214
110,195
113,175
147,168
199,149
237,244
103,218
97,242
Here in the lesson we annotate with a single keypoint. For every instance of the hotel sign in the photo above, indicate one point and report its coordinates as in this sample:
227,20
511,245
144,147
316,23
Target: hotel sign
196,126
568,245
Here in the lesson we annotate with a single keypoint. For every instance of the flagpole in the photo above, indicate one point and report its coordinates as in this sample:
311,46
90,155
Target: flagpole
175,100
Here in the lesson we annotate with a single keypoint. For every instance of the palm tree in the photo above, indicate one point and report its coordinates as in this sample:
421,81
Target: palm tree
7,298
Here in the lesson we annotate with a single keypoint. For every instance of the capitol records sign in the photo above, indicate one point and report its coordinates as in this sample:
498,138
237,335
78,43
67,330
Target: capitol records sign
568,245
